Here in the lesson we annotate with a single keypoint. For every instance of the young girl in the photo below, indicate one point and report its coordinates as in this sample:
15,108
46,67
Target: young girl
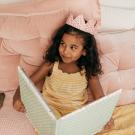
71,66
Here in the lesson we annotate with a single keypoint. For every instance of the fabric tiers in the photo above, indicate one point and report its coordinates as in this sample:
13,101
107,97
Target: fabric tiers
24,27
23,41
36,19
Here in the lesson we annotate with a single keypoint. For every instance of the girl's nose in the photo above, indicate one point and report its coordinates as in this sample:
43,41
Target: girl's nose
67,52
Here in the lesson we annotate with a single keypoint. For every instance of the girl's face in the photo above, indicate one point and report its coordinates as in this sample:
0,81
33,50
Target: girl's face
71,48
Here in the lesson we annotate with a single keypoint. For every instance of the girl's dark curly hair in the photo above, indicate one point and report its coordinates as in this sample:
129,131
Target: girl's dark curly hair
91,61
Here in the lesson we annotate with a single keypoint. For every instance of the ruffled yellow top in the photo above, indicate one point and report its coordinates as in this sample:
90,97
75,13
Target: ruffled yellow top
65,92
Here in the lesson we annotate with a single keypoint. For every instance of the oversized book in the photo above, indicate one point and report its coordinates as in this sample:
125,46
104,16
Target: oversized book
87,120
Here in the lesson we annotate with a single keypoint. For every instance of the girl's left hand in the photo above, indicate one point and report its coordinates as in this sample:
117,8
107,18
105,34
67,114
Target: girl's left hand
109,124
17,103
19,106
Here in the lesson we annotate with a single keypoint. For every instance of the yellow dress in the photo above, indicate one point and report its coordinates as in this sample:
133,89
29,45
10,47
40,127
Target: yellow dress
65,92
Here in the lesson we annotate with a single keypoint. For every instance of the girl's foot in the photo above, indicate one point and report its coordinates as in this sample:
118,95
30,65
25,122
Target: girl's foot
2,97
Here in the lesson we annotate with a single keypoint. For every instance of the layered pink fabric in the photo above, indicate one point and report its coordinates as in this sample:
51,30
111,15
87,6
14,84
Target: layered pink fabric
89,8
23,42
118,60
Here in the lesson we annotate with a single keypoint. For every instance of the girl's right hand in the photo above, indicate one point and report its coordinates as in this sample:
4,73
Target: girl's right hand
19,106
17,103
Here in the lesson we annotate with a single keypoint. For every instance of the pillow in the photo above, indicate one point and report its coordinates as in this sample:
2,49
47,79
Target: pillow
117,58
117,15
117,19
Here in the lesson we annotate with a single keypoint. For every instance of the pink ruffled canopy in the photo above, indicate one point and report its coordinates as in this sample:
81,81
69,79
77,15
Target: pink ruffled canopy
37,19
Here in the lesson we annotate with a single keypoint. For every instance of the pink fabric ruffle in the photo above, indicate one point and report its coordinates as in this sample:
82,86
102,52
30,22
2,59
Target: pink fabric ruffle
89,8
36,19
24,27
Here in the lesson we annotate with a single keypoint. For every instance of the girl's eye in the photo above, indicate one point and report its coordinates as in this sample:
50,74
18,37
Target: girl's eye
73,47
62,43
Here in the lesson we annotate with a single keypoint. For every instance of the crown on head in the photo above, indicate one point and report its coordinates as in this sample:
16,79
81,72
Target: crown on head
80,24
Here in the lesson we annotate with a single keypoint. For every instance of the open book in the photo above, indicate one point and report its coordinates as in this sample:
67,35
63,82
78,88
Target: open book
87,120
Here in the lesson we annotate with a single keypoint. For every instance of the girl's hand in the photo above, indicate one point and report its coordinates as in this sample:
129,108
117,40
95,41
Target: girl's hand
109,124
2,97
19,106
17,103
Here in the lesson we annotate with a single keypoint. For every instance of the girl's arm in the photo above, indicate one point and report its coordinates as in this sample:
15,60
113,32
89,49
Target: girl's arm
41,73
36,77
95,87
97,92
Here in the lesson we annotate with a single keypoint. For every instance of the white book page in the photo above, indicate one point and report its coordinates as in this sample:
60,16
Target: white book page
37,110
89,119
